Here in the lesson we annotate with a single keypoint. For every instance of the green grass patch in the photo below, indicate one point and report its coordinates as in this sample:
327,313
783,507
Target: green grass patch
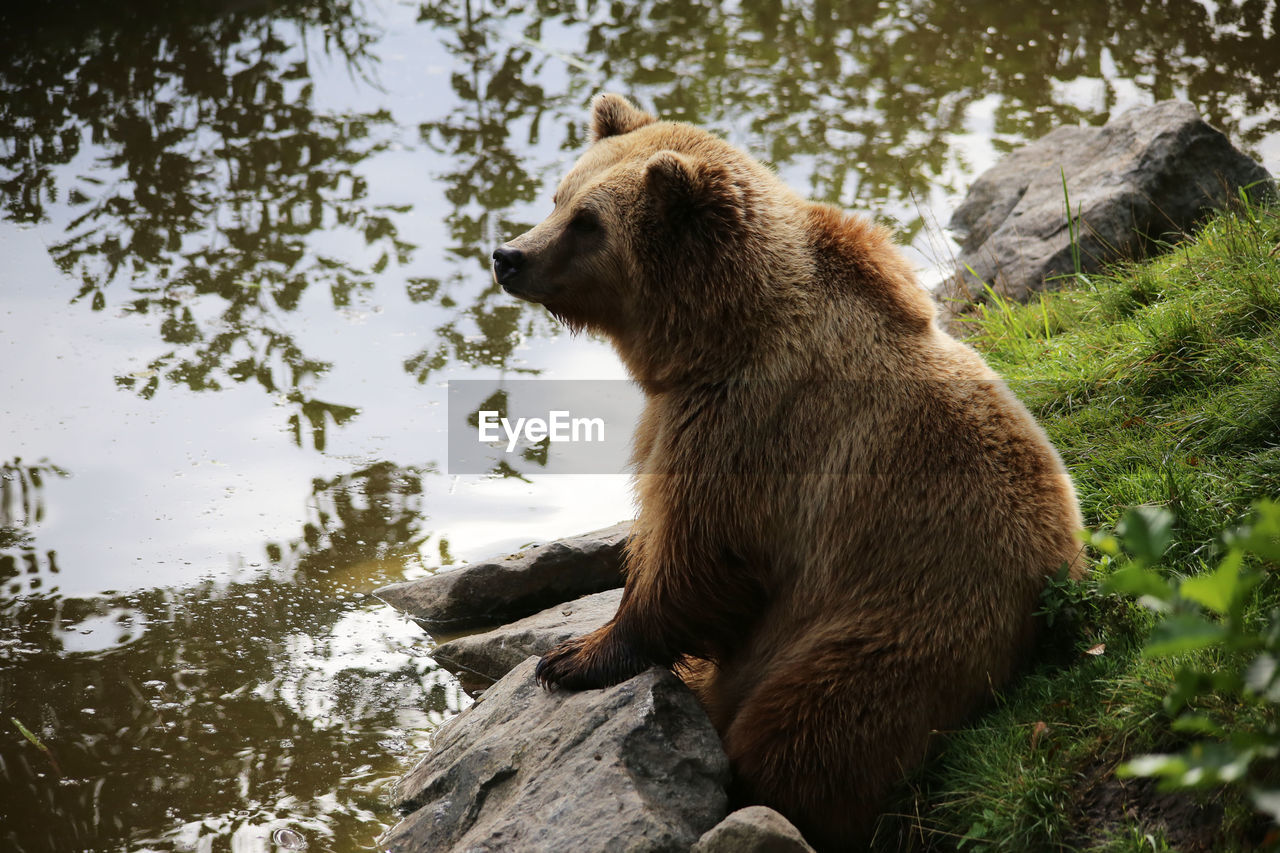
1159,383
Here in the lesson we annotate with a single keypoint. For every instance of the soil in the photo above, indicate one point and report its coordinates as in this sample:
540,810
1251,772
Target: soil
1191,822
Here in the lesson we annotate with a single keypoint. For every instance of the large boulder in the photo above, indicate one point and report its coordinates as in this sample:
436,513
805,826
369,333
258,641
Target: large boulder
634,767
495,591
1150,173
478,660
756,829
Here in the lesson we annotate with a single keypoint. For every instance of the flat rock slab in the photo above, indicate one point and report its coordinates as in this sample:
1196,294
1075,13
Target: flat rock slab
495,591
757,829
478,660
1151,172
635,767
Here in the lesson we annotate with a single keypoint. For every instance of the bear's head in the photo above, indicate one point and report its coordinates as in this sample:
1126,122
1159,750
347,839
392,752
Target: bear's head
657,225
697,261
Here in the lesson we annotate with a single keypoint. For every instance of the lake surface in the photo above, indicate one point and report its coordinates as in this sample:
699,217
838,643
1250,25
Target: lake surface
245,246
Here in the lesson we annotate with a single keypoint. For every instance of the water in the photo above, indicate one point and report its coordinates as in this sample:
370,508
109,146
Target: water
245,247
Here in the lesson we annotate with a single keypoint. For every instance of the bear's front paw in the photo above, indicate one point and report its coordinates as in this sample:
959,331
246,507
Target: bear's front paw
598,659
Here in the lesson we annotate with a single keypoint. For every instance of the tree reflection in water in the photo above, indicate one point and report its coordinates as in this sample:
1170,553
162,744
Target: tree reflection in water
212,172
503,105
868,97
223,710
22,506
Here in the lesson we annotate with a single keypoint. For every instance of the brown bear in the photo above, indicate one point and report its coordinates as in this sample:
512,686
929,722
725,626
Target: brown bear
845,517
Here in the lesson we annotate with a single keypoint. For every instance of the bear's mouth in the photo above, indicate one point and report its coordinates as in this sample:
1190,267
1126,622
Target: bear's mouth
518,286
519,292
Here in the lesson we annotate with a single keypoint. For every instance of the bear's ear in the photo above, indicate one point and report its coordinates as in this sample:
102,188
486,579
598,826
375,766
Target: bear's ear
612,115
685,186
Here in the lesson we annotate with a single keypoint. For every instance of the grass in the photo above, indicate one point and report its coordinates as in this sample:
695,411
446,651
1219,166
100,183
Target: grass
1159,383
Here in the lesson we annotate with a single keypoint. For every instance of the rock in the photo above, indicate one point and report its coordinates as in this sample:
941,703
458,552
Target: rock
635,767
495,591
757,829
481,659
1151,172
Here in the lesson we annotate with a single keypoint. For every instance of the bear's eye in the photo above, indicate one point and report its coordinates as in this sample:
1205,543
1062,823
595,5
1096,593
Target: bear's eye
585,222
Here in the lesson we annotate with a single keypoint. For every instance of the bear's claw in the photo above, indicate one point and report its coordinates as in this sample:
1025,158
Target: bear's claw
595,660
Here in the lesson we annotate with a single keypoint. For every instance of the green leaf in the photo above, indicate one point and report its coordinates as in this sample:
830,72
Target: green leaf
1213,763
1183,632
1261,677
27,733
1267,802
1229,680
1263,538
1201,765
1188,683
1146,531
1153,765
1104,542
1197,724
1220,589
1152,589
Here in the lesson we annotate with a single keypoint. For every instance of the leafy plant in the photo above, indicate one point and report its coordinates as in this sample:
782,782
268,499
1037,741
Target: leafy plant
38,744
1227,690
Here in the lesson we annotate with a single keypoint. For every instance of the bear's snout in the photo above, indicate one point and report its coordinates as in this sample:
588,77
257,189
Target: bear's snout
507,263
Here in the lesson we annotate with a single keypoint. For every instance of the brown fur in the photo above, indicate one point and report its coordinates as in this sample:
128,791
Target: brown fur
845,518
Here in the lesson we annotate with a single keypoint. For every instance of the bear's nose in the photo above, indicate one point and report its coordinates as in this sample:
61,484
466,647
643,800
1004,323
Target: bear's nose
506,263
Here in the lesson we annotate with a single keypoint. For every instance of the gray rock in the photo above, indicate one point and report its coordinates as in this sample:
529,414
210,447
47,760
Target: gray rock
1149,173
481,659
495,591
634,767
756,829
